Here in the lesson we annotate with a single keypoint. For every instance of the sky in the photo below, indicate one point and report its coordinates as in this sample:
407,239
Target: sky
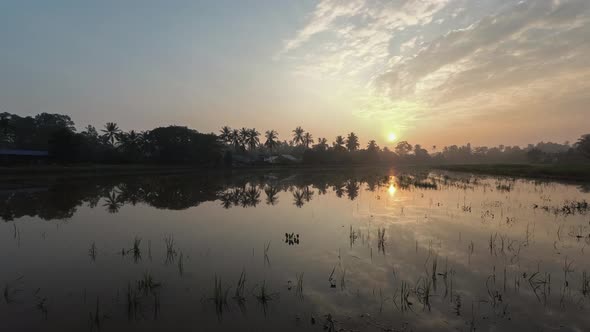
434,72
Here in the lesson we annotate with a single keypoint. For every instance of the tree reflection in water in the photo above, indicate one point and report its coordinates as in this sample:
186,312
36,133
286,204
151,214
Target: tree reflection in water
60,200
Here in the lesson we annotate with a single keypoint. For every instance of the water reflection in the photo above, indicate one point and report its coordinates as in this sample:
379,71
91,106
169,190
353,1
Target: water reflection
364,250
178,192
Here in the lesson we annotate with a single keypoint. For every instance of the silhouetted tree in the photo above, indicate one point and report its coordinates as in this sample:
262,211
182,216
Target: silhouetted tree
271,195
535,155
244,133
226,135
131,144
271,140
583,145
111,132
322,144
307,140
372,146
339,143
298,134
403,148
236,139
352,142
252,139
64,145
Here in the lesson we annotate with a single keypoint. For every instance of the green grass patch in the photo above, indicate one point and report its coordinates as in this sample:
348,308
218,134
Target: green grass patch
578,172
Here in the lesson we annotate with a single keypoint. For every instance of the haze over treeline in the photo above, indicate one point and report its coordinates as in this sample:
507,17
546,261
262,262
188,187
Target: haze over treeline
57,134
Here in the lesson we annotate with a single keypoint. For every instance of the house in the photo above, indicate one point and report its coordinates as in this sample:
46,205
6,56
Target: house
22,156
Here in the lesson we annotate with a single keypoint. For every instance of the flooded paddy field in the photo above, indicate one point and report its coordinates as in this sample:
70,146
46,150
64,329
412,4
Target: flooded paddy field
372,250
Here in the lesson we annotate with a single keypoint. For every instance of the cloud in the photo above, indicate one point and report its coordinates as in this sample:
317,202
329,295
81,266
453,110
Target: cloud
417,60
533,46
351,37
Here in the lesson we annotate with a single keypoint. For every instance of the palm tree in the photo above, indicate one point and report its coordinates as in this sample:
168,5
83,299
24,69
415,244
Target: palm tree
113,202
352,142
322,144
307,140
244,133
271,139
111,132
131,142
298,135
252,139
225,135
236,139
339,143
298,198
271,195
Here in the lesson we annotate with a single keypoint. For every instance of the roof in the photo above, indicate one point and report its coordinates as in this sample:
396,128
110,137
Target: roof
21,152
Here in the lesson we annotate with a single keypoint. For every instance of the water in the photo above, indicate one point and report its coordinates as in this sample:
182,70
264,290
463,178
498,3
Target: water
365,250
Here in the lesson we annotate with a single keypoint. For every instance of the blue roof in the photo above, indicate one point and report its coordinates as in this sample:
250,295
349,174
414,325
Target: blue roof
19,152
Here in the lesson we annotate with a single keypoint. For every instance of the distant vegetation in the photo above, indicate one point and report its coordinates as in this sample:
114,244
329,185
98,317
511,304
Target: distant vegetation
181,145
578,172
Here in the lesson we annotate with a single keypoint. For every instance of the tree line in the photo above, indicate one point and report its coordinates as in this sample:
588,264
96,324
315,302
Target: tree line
57,134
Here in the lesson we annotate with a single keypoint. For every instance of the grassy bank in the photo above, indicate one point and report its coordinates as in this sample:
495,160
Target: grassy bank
555,172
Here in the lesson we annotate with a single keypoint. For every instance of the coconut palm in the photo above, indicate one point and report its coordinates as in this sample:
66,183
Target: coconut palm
298,198
252,139
244,133
225,135
111,132
307,140
271,139
352,142
271,195
131,142
298,135
236,139
322,144
339,143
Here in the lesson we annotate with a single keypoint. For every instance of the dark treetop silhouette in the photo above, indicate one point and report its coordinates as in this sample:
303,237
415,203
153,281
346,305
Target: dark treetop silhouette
181,145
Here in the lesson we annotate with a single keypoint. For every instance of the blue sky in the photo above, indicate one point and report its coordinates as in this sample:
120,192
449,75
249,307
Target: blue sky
427,70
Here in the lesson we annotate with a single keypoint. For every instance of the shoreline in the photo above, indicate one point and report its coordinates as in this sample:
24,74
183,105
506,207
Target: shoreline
576,172
573,173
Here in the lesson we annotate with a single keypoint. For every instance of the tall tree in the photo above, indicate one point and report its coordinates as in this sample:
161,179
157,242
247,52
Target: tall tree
236,140
225,135
131,142
322,144
339,143
583,145
372,146
271,139
307,140
298,134
244,133
5,128
111,132
403,148
252,139
352,142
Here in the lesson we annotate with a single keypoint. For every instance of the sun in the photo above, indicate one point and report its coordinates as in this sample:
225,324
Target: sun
391,137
